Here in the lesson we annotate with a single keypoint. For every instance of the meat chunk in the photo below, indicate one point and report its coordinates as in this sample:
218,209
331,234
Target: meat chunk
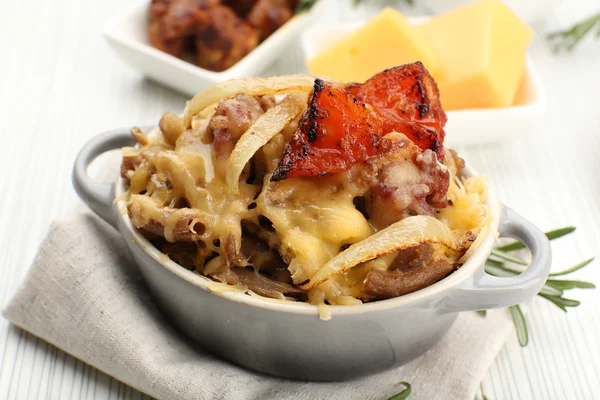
183,253
174,47
222,38
412,257
264,286
260,258
231,119
405,181
214,32
264,259
268,15
158,8
172,24
336,132
240,7
382,284
179,19
412,269
408,101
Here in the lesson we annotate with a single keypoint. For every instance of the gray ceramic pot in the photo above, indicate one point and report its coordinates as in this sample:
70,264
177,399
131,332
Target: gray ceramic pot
289,339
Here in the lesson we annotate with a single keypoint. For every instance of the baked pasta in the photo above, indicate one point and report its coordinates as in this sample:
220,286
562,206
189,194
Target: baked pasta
302,189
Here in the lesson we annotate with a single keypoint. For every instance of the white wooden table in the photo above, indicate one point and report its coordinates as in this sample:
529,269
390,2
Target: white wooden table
60,85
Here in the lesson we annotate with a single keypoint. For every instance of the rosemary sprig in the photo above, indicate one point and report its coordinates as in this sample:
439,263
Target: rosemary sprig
561,302
573,268
567,40
520,324
483,396
508,257
403,394
552,290
551,235
568,285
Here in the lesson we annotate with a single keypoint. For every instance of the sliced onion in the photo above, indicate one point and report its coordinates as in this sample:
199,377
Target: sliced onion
409,232
259,134
250,86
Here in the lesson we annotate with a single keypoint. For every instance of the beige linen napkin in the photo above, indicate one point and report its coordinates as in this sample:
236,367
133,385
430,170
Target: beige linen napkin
84,295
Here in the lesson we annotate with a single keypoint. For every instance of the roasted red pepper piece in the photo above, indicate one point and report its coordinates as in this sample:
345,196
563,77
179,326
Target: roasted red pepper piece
407,101
336,132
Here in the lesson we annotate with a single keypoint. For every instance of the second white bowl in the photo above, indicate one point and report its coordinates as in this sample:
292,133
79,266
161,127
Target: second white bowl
127,34
464,127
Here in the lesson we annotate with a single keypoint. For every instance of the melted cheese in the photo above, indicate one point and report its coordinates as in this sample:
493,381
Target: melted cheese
315,219
308,221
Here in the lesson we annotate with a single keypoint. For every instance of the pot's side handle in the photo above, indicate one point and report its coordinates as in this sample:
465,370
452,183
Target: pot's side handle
486,291
98,196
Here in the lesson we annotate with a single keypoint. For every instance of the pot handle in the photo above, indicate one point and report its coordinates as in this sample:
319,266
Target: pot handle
485,291
98,196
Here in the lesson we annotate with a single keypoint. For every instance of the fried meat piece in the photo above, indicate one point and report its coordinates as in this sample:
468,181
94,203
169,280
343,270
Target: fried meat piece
268,15
241,7
172,24
174,47
214,32
222,38
408,101
336,132
343,126
404,181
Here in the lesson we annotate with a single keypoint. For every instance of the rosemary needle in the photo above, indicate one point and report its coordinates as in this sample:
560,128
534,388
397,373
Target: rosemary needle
508,257
403,394
573,268
561,302
569,38
551,235
567,284
503,265
520,325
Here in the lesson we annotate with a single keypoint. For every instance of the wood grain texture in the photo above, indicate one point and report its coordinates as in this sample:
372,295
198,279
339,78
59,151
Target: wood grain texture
60,85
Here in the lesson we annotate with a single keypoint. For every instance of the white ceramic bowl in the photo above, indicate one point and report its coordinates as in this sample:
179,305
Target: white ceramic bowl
127,34
464,127
287,338
529,10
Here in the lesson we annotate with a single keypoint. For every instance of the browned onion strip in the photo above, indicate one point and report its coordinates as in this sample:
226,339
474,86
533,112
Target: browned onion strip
250,86
409,232
268,125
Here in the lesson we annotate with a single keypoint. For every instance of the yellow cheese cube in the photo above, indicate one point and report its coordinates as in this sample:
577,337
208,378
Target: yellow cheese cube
482,49
387,40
